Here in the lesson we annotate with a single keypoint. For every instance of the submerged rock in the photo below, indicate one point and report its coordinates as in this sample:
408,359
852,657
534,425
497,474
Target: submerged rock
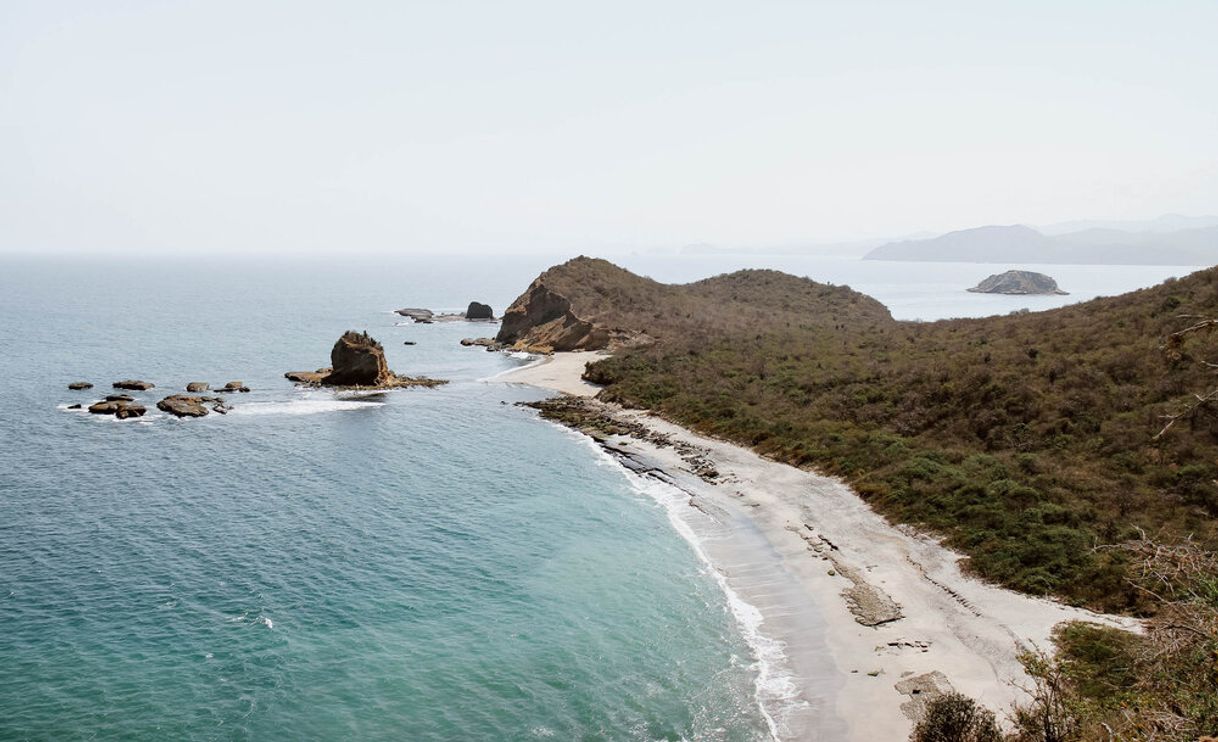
234,386
185,405
78,385
1018,282
135,384
477,310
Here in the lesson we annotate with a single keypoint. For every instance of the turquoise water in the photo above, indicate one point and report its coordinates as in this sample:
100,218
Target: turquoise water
420,564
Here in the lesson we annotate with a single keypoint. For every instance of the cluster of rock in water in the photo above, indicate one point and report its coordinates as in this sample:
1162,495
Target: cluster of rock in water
124,406
356,361
475,312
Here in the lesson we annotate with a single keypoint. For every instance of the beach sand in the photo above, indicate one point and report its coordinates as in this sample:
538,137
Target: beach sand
818,565
559,372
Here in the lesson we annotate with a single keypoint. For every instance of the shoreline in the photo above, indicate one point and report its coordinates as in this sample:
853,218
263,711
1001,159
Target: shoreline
873,619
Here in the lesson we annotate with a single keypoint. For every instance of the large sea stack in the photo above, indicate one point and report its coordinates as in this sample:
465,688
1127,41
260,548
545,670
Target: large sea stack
358,360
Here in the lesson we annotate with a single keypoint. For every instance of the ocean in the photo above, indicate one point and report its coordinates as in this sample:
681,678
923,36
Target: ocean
415,564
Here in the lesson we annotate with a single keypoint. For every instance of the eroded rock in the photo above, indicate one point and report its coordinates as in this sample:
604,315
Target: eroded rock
185,405
122,409
133,384
357,360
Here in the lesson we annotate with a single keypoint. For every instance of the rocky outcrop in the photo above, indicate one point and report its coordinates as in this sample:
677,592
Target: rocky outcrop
133,384
424,316
357,360
488,343
1018,282
479,311
234,386
542,321
79,385
198,386
185,405
120,408
307,377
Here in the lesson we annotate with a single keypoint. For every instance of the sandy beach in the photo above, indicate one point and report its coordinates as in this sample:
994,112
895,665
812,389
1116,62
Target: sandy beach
871,618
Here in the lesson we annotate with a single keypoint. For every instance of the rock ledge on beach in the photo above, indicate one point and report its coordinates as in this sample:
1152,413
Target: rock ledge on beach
1018,283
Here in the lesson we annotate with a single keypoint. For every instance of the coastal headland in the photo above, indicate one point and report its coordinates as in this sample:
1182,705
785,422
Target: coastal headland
933,500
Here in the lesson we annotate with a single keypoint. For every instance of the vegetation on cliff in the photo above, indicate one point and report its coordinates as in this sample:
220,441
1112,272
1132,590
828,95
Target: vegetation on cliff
1025,440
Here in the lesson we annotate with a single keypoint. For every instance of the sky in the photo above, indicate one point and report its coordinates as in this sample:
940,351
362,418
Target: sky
398,127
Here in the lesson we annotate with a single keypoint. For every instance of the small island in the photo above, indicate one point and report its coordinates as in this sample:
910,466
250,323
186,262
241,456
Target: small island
1019,283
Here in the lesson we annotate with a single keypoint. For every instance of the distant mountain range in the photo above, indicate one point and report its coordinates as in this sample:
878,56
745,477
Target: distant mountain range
1168,240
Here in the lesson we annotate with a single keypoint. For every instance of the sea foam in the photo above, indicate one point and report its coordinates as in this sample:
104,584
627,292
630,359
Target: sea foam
777,690
302,407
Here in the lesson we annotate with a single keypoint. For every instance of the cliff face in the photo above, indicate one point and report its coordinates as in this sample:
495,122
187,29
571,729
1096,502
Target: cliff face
542,319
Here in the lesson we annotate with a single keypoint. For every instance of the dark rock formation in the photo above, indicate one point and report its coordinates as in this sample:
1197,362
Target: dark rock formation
135,384
185,405
234,386
479,311
74,406
119,398
358,361
78,385
198,386
1017,282
418,315
409,342
121,409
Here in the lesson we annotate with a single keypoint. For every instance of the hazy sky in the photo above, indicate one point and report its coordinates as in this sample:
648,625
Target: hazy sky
398,126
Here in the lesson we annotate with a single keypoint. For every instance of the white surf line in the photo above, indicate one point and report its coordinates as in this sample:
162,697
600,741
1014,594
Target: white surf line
776,687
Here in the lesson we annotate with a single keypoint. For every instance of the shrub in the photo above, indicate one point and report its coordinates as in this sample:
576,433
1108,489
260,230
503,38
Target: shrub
956,718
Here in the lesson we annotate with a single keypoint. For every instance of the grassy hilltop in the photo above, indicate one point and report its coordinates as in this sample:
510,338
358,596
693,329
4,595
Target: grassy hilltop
1026,440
